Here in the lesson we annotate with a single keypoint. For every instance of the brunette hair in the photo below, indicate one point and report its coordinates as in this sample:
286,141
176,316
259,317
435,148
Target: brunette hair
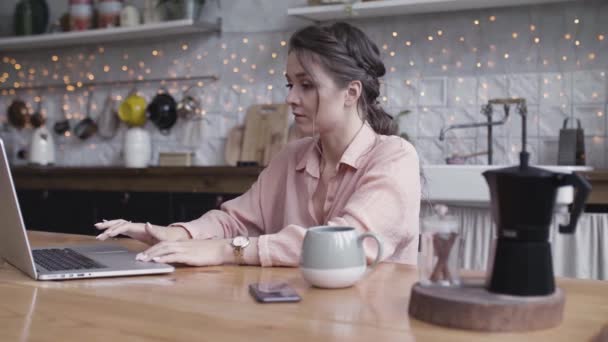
347,54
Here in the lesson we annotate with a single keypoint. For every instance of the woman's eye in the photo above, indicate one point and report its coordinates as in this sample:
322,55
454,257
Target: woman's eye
289,85
307,86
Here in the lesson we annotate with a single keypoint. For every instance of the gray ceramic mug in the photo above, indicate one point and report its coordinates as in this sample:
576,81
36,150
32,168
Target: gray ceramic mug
333,256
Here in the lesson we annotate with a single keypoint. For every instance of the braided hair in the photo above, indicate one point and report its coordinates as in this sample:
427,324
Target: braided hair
347,54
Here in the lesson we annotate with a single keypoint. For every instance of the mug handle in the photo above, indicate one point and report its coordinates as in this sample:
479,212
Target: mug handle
375,237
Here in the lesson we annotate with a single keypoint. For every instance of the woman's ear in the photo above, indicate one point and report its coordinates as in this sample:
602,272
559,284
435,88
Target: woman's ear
353,92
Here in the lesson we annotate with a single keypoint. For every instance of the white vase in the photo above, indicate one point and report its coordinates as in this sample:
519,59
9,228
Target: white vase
42,147
137,149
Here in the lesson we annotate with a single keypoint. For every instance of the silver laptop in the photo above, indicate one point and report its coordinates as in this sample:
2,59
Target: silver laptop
59,262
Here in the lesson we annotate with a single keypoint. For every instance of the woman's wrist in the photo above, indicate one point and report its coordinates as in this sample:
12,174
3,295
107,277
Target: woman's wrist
227,251
184,234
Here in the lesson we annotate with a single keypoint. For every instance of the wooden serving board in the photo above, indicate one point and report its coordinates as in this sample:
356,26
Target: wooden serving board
472,307
232,151
265,132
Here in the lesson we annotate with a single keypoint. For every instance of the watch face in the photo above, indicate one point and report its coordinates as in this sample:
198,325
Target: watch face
240,241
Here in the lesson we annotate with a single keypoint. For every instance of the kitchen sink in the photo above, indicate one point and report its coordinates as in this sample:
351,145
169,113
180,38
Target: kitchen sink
464,185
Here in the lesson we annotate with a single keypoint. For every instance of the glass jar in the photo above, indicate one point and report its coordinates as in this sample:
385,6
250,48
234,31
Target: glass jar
109,13
81,15
438,262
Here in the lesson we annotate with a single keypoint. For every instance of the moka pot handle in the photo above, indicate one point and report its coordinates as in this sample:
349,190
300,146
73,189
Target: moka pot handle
582,188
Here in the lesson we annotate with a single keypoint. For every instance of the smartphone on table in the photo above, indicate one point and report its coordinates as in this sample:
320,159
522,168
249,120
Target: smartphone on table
274,293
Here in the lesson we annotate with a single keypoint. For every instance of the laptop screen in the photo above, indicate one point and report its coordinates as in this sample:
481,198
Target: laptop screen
14,245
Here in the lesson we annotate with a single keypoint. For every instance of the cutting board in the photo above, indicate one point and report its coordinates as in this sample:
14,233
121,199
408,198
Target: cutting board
266,130
234,141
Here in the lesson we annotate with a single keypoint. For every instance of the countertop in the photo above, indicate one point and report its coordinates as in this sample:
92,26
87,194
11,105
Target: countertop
213,304
215,179
207,179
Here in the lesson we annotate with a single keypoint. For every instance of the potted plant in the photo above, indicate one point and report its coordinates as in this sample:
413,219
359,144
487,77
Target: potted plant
181,9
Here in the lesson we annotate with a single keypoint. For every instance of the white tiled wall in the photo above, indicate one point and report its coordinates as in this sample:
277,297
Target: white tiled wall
473,56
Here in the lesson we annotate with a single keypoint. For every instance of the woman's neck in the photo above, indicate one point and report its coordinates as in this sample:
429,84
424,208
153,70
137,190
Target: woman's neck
335,143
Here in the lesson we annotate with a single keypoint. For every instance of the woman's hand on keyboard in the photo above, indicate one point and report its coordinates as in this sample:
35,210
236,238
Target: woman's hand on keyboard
143,232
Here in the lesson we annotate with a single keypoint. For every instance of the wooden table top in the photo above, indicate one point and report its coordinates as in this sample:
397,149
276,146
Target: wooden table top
213,303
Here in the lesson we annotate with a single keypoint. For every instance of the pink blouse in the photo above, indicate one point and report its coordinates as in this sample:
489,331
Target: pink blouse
376,188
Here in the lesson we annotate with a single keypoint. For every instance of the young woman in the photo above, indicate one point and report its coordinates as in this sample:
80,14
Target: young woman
351,171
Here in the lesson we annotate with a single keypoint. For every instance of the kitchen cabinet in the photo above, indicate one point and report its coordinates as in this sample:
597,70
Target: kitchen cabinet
60,211
384,8
75,212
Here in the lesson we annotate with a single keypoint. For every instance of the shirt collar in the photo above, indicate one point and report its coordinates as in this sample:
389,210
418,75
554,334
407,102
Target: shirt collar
361,144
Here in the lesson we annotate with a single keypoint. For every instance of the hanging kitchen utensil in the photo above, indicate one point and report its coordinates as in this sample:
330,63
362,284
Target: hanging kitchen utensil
18,114
132,110
162,111
108,121
63,126
87,126
37,118
189,106
571,148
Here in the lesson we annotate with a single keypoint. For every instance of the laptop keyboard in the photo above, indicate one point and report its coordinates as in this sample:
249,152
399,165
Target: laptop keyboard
63,259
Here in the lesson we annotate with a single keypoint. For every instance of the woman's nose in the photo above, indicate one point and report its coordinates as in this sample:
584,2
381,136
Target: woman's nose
291,98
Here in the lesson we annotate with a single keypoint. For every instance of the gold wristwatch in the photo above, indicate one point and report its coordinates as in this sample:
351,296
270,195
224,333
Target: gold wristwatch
239,244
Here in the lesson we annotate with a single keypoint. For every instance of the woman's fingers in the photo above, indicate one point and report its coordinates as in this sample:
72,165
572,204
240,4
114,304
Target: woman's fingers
160,249
119,229
114,230
107,224
172,258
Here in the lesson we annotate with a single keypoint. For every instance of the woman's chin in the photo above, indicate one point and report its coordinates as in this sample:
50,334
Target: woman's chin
303,126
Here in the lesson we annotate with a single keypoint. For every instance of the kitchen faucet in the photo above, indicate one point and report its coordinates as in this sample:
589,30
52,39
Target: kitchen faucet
487,110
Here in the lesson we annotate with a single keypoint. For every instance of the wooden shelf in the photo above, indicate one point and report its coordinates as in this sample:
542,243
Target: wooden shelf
382,8
106,35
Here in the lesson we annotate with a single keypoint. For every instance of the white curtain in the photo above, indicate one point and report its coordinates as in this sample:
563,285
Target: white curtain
583,254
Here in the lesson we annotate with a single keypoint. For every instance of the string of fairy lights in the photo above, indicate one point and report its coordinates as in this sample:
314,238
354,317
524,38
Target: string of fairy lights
252,69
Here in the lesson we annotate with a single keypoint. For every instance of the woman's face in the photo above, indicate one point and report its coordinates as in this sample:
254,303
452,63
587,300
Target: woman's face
321,101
